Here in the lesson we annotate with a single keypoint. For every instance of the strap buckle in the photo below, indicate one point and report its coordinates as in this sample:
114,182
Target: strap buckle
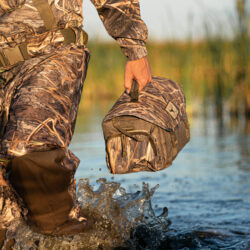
12,56
71,37
84,37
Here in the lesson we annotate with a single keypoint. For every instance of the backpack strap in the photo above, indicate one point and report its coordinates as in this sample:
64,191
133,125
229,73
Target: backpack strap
11,56
45,13
49,20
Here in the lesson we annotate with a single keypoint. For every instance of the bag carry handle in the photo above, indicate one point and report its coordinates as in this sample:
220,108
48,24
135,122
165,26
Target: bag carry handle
134,92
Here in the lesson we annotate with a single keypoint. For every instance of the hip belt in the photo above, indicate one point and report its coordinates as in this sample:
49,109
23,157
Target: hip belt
12,56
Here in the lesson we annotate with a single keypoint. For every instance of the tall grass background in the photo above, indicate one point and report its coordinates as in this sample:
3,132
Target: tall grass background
213,71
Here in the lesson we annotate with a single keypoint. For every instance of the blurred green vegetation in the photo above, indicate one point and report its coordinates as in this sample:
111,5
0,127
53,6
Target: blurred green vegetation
214,70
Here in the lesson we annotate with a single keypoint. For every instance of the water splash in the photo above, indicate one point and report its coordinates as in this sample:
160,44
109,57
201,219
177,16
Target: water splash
120,212
122,219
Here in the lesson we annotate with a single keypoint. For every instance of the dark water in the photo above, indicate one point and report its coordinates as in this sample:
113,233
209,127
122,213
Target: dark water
206,190
201,202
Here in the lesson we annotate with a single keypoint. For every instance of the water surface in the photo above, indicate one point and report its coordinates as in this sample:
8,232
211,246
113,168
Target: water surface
201,202
206,190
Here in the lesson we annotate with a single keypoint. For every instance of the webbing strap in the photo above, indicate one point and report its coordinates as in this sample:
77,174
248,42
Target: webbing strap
49,20
11,56
46,13
84,37
3,60
23,50
69,35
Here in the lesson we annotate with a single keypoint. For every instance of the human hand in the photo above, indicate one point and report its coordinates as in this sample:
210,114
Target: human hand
140,71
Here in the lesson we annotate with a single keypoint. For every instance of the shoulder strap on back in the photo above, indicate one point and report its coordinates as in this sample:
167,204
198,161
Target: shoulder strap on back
49,20
46,13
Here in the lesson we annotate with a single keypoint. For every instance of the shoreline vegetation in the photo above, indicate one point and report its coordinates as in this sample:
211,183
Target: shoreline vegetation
214,71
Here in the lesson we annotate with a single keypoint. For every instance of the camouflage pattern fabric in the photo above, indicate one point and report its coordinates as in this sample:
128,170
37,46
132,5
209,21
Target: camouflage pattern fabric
11,206
39,100
20,22
122,20
39,97
147,134
161,102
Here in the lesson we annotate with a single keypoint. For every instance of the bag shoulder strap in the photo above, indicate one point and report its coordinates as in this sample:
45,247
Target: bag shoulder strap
46,13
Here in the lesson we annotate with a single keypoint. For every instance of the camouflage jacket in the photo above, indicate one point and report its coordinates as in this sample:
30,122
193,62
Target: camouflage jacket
20,22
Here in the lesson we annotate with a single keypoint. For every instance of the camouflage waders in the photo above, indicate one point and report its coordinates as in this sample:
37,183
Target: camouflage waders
43,65
45,93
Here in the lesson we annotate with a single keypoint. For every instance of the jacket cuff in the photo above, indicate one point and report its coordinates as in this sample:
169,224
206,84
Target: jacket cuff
132,49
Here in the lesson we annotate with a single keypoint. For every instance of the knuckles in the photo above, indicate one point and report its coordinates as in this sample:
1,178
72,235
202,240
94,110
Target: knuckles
127,85
143,81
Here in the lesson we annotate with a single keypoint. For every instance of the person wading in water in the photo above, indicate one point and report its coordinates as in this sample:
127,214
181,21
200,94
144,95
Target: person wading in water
43,65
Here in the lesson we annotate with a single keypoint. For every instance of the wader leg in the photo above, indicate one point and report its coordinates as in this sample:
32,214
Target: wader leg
42,116
43,184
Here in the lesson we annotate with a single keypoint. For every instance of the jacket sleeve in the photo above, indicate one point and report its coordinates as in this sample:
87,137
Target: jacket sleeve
123,22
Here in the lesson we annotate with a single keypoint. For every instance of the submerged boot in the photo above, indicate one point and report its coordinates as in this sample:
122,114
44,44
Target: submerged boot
43,184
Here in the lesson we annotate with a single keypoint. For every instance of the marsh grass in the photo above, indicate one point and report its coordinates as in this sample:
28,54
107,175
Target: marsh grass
214,70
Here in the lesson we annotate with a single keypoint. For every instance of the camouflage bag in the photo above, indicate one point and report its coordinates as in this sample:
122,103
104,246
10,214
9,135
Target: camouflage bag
146,134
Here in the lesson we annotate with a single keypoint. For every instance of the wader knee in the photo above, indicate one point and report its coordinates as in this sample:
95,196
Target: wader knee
43,184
